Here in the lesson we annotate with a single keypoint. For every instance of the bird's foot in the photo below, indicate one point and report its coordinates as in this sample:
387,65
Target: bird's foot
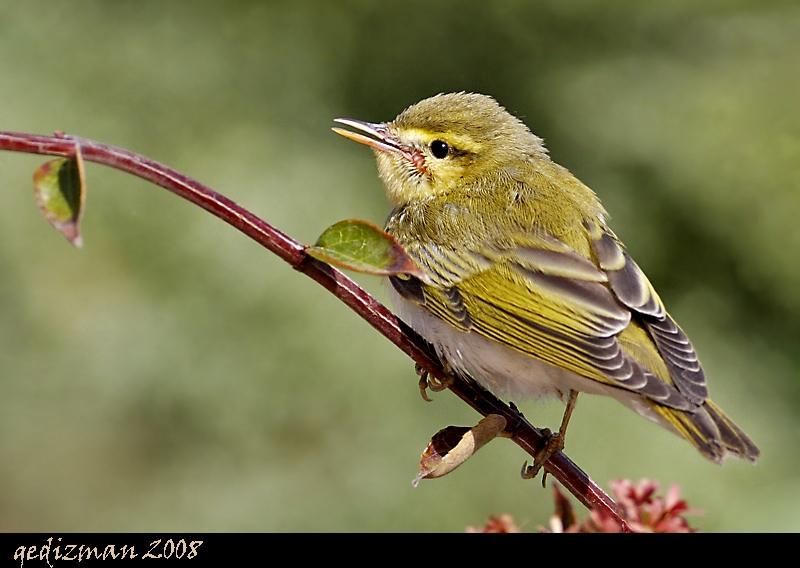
428,382
554,443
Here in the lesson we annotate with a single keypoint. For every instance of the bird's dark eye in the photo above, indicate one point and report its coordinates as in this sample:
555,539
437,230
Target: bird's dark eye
439,149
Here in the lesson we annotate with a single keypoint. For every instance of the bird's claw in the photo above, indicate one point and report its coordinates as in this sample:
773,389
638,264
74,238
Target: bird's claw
428,382
555,443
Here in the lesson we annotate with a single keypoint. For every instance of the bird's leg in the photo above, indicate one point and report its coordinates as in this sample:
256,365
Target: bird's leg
427,382
555,442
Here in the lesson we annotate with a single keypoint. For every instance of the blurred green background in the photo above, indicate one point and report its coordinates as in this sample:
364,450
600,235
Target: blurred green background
173,375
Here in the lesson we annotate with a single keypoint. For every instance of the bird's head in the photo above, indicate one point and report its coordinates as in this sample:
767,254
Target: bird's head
446,142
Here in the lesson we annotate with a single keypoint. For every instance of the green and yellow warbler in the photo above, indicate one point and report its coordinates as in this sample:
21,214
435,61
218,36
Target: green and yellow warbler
530,292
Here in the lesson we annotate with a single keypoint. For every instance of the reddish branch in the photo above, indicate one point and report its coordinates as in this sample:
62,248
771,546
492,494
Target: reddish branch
524,434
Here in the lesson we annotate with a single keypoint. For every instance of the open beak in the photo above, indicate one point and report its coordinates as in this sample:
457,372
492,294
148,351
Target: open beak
382,139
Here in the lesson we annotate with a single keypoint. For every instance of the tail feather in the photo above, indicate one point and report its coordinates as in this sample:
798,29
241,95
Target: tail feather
731,436
711,432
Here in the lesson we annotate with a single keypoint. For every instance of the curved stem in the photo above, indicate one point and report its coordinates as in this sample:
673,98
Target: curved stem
293,252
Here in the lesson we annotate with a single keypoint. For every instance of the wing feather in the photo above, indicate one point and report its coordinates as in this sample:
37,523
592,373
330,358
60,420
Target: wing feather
633,289
561,308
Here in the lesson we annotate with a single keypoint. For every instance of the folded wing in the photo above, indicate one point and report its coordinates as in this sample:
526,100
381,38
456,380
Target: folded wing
598,318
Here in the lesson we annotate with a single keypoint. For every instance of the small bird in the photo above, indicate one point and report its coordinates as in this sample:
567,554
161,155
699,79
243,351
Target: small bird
529,292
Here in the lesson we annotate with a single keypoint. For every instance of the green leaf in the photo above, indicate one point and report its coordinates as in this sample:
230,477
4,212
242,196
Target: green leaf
364,247
60,192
